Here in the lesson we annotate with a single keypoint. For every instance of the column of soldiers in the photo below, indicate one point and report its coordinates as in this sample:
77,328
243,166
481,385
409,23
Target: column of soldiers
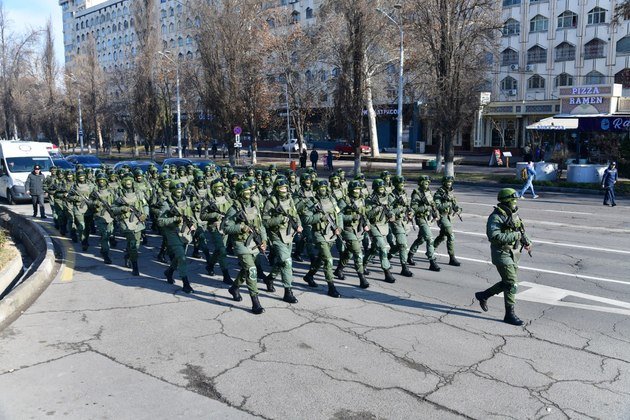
262,218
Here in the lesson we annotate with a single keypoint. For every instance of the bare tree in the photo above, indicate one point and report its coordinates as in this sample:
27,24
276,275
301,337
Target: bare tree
50,110
451,42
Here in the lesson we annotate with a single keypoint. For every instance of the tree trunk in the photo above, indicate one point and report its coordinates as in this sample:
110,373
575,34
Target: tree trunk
371,118
449,153
135,145
99,135
438,154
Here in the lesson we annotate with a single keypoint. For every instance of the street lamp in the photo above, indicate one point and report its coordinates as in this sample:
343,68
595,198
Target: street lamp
165,54
80,133
399,130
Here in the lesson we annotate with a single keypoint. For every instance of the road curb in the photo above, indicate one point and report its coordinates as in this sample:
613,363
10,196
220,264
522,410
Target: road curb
11,271
40,248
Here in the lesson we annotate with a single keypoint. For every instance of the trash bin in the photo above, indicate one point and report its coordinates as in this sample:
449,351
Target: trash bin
293,165
432,164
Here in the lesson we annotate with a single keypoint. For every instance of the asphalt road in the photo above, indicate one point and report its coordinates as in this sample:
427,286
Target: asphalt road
100,343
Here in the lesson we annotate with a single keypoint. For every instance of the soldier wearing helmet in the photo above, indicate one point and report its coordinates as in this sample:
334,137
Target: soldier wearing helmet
447,206
506,233
213,215
102,199
425,213
304,198
403,220
81,210
380,214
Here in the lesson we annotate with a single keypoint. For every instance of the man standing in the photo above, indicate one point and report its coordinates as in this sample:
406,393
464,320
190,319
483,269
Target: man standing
35,187
529,182
505,232
314,158
608,183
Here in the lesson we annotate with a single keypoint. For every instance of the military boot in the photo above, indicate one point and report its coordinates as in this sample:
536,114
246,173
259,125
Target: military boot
106,258
297,257
288,296
257,309
339,273
363,283
308,278
388,277
126,260
405,271
73,236
510,316
453,261
187,288
366,272
410,260
113,242
226,278
269,283
84,246
332,290
145,239
134,268
482,297
236,294
433,265
168,273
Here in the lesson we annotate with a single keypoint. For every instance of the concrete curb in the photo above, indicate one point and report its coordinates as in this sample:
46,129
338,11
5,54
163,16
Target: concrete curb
10,272
40,248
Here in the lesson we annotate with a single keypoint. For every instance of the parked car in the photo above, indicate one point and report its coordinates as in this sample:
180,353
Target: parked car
177,162
88,161
63,164
201,164
142,164
347,149
292,145
17,159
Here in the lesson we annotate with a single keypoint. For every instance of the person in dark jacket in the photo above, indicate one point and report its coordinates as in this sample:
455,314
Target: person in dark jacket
303,159
35,187
608,183
314,158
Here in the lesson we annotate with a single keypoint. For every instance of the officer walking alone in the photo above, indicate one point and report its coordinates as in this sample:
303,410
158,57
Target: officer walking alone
608,183
34,186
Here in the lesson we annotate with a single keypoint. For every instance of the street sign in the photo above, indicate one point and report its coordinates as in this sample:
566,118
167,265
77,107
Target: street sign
238,130
238,144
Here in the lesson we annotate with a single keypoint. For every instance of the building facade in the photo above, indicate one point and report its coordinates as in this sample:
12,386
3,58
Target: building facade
549,45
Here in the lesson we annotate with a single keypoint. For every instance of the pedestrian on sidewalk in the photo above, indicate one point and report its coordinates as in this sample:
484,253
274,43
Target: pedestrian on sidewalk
199,149
34,186
329,160
529,181
608,183
214,150
303,158
118,145
314,158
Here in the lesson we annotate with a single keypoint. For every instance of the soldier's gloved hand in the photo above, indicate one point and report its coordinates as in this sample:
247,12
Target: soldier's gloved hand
125,209
366,228
178,220
245,228
299,229
143,217
355,217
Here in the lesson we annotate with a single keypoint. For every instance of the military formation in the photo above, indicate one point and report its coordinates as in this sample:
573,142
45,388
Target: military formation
268,220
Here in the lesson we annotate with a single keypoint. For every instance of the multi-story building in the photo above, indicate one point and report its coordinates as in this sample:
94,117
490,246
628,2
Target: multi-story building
547,46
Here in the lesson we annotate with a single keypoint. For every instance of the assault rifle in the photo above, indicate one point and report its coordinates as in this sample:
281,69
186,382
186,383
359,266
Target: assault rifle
254,233
435,214
187,221
363,222
102,202
292,221
408,213
331,221
521,229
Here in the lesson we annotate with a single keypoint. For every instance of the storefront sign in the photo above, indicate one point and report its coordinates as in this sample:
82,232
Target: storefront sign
610,124
594,99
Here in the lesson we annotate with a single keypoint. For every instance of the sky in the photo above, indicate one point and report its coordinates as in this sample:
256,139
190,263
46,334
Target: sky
30,14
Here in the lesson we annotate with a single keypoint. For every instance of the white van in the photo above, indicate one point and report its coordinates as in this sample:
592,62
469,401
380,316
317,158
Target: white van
17,159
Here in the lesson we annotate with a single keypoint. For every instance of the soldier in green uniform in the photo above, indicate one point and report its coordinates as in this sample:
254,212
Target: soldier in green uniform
50,186
182,176
81,212
425,213
158,196
244,223
273,172
336,189
506,233
379,215
213,214
179,224
304,198
403,217
342,180
325,218
266,189
281,219
355,226
199,195
102,199
132,211
142,186
447,206
292,182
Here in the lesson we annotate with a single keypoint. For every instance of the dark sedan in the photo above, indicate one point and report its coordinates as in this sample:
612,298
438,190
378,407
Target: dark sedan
63,164
142,164
177,162
88,161
203,163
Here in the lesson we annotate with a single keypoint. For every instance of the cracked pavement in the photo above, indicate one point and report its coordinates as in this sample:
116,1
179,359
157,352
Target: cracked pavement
109,345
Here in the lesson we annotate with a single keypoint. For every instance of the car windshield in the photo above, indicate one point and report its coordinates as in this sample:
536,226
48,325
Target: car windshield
87,159
64,164
25,164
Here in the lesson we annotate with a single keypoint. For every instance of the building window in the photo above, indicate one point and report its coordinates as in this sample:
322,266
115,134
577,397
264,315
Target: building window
295,16
536,82
565,52
511,27
509,83
538,23
594,78
623,78
597,15
564,79
536,54
567,19
623,46
171,12
594,49
509,57
171,28
309,13
283,2
507,3
180,41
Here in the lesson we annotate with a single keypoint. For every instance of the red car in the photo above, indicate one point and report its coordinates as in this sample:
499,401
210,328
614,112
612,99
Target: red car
348,149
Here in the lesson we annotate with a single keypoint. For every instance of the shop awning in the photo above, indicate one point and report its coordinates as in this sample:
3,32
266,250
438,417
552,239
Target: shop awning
553,123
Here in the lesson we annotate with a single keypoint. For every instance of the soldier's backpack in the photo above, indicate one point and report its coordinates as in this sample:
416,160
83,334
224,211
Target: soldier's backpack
524,174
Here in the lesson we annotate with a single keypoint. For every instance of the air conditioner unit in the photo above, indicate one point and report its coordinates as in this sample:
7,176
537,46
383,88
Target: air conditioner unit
514,67
512,92
529,68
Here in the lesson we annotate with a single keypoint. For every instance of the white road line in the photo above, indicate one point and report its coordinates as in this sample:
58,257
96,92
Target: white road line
530,222
540,270
537,241
550,211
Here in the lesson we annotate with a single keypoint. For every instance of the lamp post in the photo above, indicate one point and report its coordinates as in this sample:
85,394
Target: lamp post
80,133
399,128
286,93
179,113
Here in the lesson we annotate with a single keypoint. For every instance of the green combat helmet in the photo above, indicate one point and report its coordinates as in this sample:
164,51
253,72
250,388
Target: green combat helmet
242,187
447,182
354,188
377,183
507,194
398,179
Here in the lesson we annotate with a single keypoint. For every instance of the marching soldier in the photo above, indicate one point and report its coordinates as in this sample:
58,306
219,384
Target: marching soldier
50,187
213,214
81,211
505,232
447,206
244,223
325,218
355,226
403,216
179,224
304,199
132,211
102,199
281,219
425,213
336,189
380,215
